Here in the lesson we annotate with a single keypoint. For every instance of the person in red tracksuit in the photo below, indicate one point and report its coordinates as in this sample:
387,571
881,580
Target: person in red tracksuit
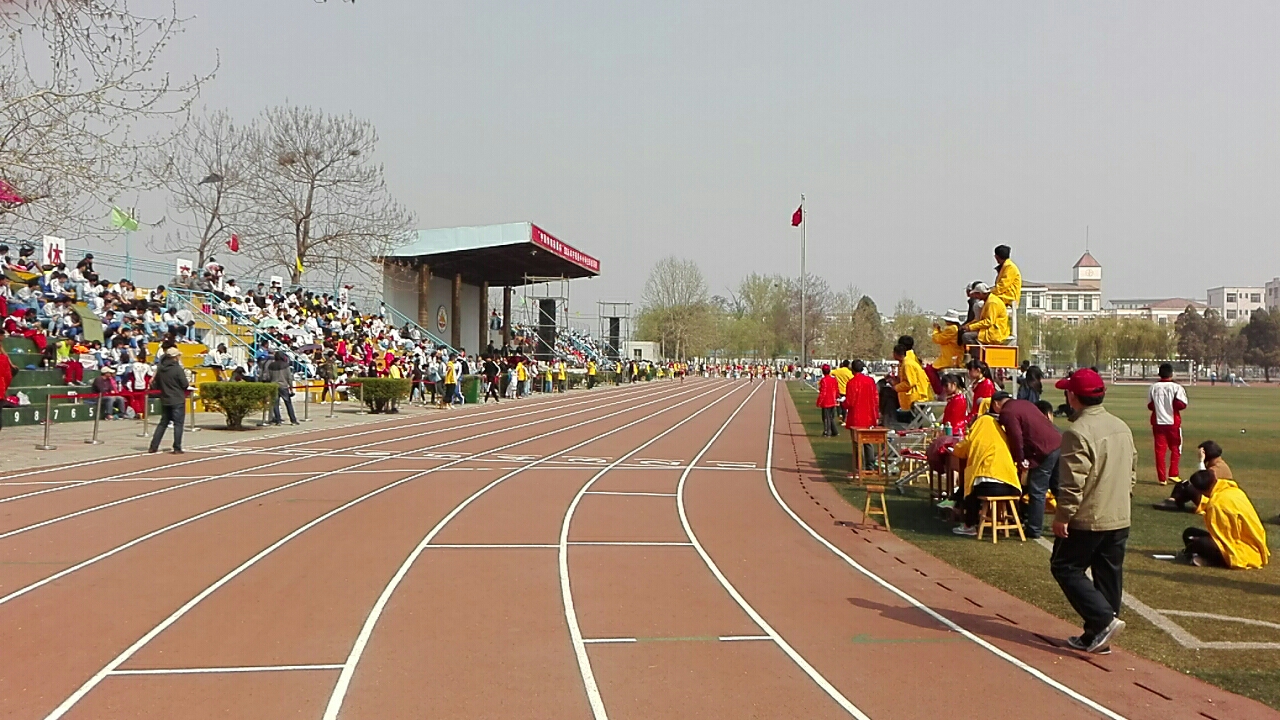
828,391
862,406
956,413
1166,400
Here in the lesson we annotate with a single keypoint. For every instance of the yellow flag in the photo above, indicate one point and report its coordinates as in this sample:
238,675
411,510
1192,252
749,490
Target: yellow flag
299,261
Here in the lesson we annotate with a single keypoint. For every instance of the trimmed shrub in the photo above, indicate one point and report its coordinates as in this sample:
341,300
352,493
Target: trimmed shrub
237,400
382,394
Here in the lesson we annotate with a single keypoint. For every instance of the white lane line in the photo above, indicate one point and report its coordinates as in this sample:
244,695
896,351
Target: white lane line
607,641
488,547
341,688
129,652
759,620
539,405
743,638
120,548
637,494
219,670
589,683
907,597
632,544
238,473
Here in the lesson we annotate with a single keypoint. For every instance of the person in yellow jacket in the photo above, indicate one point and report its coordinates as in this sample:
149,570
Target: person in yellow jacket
947,337
913,384
992,327
562,377
591,374
1233,536
522,379
989,469
1008,285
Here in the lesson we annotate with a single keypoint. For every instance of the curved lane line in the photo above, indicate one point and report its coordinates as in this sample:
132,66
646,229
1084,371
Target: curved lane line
547,404
340,689
252,469
123,657
316,476
791,652
1086,701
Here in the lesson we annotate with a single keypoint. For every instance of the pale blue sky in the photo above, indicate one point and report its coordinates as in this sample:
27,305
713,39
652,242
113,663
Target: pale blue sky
923,133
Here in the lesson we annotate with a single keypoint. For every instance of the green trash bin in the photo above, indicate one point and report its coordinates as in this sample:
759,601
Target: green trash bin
471,389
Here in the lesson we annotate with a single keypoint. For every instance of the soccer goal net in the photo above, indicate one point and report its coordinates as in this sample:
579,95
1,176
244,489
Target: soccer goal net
1148,369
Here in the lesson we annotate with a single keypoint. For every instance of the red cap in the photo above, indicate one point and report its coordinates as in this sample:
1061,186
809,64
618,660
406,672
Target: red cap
826,366
1084,383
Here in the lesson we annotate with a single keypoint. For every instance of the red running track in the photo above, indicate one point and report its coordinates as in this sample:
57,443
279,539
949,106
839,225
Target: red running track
658,551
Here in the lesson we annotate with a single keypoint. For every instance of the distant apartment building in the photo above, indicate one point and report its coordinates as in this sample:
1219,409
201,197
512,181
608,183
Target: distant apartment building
1271,295
1164,311
1076,301
1236,304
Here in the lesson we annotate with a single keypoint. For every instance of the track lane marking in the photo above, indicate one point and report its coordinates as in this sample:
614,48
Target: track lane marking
339,694
129,652
241,473
592,688
220,670
225,447
759,620
1064,689
318,476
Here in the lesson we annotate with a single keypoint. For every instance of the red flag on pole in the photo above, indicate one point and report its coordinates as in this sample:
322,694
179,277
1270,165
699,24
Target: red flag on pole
234,243
797,217
10,196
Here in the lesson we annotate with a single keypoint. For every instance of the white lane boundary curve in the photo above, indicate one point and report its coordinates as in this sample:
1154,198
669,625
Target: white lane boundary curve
758,619
343,685
540,405
129,652
1060,687
337,452
312,477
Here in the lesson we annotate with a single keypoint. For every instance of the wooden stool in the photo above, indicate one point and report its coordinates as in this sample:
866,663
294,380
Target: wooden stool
882,510
1000,513
872,479
878,439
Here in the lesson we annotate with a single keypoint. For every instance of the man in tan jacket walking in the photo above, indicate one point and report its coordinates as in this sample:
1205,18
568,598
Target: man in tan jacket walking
1096,474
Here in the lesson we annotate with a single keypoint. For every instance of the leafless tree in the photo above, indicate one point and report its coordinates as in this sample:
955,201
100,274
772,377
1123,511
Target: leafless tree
207,172
319,200
77,80
677,310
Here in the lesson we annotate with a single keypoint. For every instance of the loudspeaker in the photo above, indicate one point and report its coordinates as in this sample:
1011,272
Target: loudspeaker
546,329
615,330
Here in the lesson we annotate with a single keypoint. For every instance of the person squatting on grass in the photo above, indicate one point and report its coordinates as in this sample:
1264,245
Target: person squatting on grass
1210,459
1233,536
1166,400
989,469
1098,469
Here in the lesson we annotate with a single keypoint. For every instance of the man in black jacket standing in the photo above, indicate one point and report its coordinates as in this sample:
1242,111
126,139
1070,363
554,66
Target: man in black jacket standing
171,381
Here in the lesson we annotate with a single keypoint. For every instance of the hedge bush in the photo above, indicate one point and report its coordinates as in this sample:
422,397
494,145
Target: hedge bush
382,394
237,400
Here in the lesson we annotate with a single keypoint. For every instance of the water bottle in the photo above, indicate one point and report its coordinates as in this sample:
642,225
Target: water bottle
946,428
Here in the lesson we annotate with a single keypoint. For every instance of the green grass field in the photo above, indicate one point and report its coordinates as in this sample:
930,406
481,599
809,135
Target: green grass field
1022,569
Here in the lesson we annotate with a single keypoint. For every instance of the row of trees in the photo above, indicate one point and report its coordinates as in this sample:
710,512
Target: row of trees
297,186
761,318
89,117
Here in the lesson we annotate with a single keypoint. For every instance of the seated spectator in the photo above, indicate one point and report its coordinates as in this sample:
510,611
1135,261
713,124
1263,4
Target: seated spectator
113,403
912,385
983,385
989,469
992,327
956,412
220,360
1183,493
1233,536
947,337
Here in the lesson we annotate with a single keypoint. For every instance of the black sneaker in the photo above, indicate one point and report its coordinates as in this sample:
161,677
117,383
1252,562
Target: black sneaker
1103,639
1077,642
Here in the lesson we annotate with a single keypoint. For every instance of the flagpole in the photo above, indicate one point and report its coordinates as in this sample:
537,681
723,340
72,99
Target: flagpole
804,349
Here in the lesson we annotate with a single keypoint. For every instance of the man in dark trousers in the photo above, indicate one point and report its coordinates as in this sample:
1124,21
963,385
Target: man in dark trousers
171,381
490,372
1035,444
1098,469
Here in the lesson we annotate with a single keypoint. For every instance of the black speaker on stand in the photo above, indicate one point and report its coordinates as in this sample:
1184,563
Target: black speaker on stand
546,329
